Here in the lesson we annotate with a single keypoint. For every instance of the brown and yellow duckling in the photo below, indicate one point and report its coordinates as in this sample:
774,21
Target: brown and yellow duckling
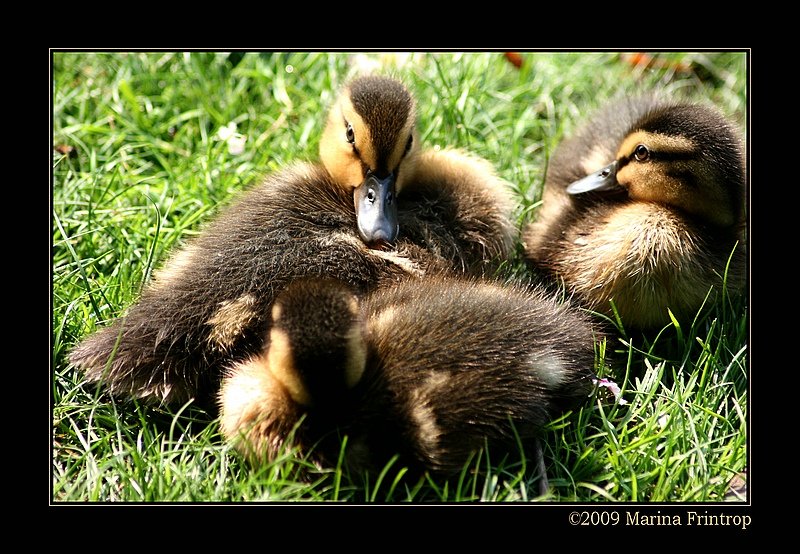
644,207
376,210
430,370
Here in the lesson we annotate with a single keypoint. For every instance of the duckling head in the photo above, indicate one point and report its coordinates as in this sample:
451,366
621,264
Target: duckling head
366,146
685,156
317,349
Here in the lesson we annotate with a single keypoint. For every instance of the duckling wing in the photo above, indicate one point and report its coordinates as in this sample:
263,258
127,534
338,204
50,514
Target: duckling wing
455,205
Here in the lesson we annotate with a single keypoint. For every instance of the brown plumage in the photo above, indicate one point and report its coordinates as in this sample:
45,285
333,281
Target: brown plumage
210,302
432,370
655,229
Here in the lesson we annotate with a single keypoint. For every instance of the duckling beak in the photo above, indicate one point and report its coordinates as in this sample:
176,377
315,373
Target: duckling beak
605,179
376,210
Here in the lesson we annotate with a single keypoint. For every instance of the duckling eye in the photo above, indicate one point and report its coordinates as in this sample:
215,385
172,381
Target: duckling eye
408,144
351,135
371,195
641,153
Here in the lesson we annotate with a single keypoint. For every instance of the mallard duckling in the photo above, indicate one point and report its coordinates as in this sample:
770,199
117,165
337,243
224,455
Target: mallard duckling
644,207
429,370
209,304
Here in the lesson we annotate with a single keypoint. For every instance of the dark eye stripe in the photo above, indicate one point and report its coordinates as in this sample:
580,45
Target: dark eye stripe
665,156
672,156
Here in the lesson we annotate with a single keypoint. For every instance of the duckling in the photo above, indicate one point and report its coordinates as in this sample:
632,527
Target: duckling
644,207
377,209
429,370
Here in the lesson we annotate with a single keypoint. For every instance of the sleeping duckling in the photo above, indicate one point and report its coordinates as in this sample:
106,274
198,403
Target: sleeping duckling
429,370
644,207
423,212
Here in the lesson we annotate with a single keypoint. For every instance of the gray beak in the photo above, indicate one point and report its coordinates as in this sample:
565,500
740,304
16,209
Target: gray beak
605,179
376,210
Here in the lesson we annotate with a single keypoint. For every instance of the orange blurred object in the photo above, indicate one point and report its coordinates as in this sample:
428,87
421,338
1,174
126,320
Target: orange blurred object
515,58
644,60
66,150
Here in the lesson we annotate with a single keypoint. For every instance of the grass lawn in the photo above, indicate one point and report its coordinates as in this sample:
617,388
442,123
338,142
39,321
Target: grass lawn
140,162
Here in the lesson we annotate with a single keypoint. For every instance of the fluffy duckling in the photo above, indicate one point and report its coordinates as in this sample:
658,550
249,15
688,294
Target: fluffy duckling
430,370
376,210
644,206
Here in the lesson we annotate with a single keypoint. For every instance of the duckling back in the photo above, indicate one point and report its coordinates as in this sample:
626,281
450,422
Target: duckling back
450,366
471,364
664,229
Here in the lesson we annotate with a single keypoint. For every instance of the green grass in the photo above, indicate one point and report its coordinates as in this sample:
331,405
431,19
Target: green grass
147,169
